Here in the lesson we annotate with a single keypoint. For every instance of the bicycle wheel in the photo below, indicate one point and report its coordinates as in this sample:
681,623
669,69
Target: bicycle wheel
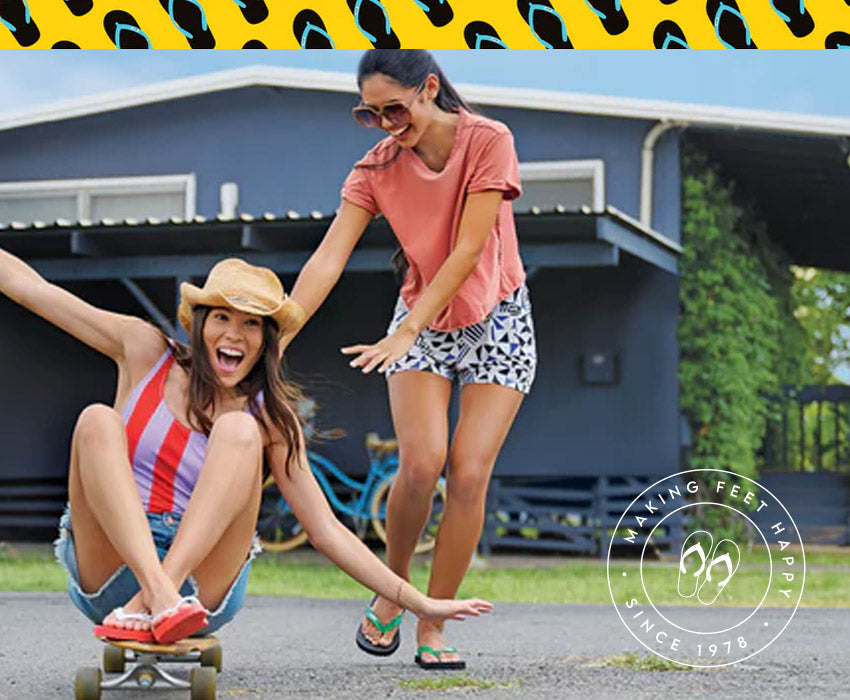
277,526
378,510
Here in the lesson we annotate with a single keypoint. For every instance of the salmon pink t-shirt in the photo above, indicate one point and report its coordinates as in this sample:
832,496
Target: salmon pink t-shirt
424,208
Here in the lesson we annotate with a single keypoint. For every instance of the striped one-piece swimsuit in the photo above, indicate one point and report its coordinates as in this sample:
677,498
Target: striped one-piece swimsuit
166,455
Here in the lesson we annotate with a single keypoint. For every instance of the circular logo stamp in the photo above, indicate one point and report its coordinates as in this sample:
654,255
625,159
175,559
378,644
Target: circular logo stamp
701,611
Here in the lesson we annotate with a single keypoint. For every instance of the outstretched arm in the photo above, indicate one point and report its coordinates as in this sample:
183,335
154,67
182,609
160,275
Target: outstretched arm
323,269
479,215
344,549
104,331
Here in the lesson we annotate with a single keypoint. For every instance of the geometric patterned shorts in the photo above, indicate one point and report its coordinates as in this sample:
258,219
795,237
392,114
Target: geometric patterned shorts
498,350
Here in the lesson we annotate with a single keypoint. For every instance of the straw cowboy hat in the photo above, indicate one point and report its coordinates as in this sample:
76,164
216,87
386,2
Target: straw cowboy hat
236,284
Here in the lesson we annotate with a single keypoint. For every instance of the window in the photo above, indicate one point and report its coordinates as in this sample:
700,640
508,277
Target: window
570,183
95,199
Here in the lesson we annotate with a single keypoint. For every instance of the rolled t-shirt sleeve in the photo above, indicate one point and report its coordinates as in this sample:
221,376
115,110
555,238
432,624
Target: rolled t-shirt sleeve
357,189
497,167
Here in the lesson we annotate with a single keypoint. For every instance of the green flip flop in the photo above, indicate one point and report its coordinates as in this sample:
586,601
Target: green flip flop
382,627
438,665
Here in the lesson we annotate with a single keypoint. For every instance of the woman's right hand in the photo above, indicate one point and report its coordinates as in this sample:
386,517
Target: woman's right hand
436,610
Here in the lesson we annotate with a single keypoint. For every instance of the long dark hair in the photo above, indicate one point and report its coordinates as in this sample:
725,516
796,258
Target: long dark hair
279,395
409,68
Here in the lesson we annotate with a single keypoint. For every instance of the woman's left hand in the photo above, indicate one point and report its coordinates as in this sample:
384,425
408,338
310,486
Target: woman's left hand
383,353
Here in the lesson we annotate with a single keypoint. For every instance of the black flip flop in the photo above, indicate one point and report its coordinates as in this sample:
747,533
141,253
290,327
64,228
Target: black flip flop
734,32
669,35
15,16
800,23
376,649
372,20
309,30
545,23
481,35
611,14
191,21
438,665
124,31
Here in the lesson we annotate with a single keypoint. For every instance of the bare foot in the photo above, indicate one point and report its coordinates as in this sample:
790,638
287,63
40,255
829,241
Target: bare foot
385,611
429,635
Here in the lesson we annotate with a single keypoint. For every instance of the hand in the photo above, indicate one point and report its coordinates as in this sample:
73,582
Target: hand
437,611
383,353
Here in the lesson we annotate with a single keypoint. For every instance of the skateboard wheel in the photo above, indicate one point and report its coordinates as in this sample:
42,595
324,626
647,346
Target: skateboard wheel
202,681
212,657
87,684
113,660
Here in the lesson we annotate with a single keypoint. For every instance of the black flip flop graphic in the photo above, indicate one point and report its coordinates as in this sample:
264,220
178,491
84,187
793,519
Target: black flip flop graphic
545,23
731,29
615,21
799,24
310,31
480,35
668,2
838,40
64,45
15,13
669,35
254,44
254,11
126,38
372,21
79,7
192,20
438,12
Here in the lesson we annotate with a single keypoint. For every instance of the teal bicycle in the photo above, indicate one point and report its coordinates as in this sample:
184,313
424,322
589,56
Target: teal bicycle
361,502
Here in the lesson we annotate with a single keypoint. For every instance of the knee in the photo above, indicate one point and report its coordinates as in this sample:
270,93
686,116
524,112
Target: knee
468,480
239,430
95,422
420,468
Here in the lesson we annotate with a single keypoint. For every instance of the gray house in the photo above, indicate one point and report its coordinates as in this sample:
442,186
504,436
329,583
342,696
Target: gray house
121,196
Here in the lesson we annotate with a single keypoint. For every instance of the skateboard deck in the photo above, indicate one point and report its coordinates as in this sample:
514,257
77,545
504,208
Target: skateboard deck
138,665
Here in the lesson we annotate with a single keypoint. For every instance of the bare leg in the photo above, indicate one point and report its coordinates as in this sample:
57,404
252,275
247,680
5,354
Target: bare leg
419,403
216,531
109,522
487,412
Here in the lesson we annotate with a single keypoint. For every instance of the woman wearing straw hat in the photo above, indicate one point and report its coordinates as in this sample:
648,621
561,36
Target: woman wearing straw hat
164,486
443,178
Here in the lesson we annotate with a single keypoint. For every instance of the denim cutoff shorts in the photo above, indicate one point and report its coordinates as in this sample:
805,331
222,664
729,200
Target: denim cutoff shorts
122,585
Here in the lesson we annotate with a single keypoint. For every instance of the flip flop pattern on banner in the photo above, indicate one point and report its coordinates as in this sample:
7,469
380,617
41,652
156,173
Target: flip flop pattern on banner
361,24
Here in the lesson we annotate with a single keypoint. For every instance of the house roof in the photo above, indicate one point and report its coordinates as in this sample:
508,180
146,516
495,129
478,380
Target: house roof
522,98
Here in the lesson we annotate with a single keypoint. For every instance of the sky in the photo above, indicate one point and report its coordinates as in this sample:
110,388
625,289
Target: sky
792,80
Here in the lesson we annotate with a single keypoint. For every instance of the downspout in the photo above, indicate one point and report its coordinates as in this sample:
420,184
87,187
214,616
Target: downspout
647,168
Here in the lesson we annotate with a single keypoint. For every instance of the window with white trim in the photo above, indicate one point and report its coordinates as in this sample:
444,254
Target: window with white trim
95,199
570,183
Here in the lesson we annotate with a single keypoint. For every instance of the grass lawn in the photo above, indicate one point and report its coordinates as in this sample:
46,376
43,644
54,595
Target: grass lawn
553,580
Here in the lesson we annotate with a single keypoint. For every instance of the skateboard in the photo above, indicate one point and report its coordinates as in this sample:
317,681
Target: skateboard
145,671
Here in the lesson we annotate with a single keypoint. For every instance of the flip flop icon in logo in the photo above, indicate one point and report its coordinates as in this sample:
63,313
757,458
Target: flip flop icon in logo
611,13
727,554
692,562
480,35
438,12
795,15
545,23
310,31
124,31
15,16
372,20
730,26
669,35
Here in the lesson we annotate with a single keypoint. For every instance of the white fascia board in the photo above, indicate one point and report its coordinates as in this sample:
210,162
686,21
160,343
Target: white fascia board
519,98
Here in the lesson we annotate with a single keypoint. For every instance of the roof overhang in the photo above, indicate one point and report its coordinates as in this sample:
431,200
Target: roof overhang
150,249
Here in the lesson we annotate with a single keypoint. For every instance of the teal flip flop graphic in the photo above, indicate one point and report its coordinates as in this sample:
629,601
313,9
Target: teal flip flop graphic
669,35
611,13
254,11
310,31
545,23
15,16
730,26
795,15
191,21
373,21
480,35
124,31
438,12
837,40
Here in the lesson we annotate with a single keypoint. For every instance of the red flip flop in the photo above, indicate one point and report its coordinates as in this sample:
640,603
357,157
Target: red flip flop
124,633
182,620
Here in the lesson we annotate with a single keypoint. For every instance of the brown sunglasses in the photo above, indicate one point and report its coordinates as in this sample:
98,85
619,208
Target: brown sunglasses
396,113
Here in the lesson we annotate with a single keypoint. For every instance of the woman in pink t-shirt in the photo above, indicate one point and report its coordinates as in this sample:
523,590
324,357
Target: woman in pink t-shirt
443,178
